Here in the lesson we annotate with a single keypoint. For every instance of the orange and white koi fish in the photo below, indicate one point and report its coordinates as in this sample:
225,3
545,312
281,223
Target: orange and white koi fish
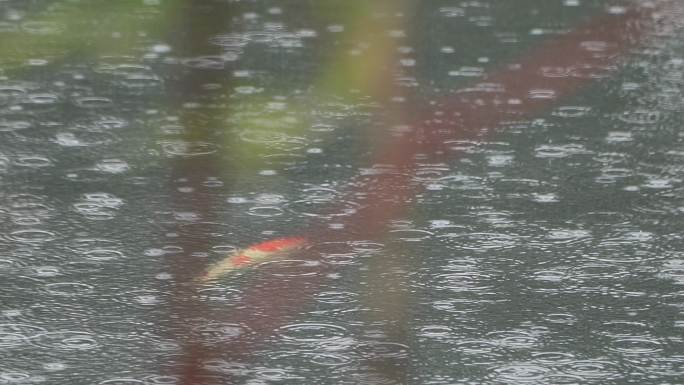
261,252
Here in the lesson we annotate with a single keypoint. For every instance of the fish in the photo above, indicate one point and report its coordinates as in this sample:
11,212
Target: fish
261,252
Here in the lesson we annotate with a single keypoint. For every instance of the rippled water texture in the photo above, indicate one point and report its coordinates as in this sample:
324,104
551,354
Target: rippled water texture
482,192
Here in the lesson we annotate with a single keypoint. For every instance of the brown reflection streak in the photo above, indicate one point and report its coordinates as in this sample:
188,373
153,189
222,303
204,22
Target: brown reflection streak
197,25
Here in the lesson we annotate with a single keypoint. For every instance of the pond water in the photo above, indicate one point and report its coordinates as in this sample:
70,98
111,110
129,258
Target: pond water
490,192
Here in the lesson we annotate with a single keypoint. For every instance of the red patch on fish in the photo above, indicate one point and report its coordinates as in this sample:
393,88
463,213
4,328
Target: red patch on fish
241,260
279,244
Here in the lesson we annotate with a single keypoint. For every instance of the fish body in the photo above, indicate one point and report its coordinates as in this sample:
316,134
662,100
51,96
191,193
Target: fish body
261,252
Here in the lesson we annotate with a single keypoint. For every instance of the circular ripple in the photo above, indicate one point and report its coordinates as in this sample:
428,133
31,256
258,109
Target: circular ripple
479,241
515,339
594,271
122,381
459,305
560,318
292,267
327,359
69,288
563,379
321,207
265,211
66,340
367,247
312,332
183,148
161,380
32,236
273,374
383,350
553,357
435,331
146,298
636,345
84,139
16,377
263,136
476,346
10,126
13,334
410,235
336,297
567,236
100,255
47,271
8,340
624,329
43,99
520,373
464,281
93,102
591,369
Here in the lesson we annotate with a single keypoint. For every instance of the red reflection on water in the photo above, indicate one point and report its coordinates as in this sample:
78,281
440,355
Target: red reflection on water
514,92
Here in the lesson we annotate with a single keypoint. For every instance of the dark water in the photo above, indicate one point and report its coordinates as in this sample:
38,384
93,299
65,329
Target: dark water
142,140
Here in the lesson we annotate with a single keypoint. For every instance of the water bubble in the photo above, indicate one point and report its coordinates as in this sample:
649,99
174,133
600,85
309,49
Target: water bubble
641,117
47,271
98,206
541,94
469,72
572,111
55,366
219,295
619,137
559,151
112,166
545,198
217,332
